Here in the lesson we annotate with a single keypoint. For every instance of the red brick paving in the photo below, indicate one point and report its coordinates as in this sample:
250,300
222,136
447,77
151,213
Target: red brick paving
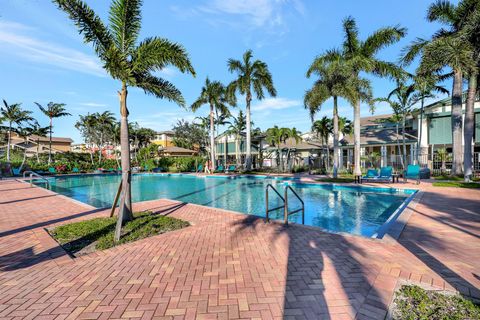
229,266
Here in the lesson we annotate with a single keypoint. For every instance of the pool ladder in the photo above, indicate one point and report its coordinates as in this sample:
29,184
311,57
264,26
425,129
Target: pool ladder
285,203
34,175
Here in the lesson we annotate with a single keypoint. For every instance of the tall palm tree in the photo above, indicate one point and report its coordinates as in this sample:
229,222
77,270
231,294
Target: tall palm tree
14,115
104,122
214,94
87,125
252,76
53,110
236,128
361,57
323,129
295,135
335,80
447,48
131,63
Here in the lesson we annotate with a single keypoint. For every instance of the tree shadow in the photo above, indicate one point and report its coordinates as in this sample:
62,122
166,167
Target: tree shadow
448,240
324,278
27,257
28,199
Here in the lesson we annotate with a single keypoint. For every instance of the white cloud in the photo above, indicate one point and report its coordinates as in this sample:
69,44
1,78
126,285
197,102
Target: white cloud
17,38
92,104
275,104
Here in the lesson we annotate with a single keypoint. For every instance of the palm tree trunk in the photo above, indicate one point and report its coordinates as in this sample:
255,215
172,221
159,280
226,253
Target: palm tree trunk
24,157
280,158
419,143
335,138
399,150
212,135
403,139
248,155
125,212
38,150
457,122
356,144
469,126
237,150
50,143
9,140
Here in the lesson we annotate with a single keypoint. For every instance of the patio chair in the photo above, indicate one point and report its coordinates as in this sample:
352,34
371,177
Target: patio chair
16,171
231,168
198,169
75,170
219,169
157,170
372,174
52,170
412,172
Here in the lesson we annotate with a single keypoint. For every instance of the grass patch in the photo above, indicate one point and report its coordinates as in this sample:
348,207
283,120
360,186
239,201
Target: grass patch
412,302
339,180
456,184
98,234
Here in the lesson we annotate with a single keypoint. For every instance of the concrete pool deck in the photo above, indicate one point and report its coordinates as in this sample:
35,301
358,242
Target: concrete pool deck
229,265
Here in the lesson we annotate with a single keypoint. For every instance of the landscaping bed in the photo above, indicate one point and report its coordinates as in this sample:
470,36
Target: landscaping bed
456,184
87,236
412,302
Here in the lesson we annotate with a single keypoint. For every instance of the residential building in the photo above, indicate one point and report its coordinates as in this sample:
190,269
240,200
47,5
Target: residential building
164,138
42,144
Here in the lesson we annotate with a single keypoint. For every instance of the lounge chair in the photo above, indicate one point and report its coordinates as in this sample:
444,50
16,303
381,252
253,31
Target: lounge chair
412,172
16,171
75,170
157,170
384,176
219,169
372,174
231,168
52,170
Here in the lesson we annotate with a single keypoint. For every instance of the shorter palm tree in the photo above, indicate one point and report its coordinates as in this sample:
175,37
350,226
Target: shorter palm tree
104,122
53,110
14,115
214,94
36,132
323,129
236,128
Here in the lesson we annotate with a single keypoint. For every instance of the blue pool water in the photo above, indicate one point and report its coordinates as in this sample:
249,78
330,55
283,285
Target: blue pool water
351,209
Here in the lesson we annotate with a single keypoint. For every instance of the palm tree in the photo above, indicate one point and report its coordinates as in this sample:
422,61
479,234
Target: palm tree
344,126
335,80
104,122
275,137
294,134
53,110
36,131
13,114
447,48
323,129
361,56
251,76
214,94
131,64
236,128
401,100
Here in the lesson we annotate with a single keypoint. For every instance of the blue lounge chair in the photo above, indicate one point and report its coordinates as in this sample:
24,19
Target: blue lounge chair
412,172
386,174
157,170
52,170
231,168
198,169
75,170
371,175
219,169
16,171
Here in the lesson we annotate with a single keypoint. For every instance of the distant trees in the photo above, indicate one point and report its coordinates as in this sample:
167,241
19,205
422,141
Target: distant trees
276,136
190,135
14,115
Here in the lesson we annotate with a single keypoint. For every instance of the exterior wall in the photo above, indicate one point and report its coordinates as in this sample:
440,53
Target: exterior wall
163,140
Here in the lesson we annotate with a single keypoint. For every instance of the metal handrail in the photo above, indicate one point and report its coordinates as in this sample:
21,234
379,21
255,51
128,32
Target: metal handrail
294,211
32,173
267,210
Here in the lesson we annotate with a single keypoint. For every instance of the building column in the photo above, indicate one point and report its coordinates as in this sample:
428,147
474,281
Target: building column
362,154
423,143
412,154
340,158
383,154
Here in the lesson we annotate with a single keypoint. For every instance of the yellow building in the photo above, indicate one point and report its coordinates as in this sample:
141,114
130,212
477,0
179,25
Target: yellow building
164,139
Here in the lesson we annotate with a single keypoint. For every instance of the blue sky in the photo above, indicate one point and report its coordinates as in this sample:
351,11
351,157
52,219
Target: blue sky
44,59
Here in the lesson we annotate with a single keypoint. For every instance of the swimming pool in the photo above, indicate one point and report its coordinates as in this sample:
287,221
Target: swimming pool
353,209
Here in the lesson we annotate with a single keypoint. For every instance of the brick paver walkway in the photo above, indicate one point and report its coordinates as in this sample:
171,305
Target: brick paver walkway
228,266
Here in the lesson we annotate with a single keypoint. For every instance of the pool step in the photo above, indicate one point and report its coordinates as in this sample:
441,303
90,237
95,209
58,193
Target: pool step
285,203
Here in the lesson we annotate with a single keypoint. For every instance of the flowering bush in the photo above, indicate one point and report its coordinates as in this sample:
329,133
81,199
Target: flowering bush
61,168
